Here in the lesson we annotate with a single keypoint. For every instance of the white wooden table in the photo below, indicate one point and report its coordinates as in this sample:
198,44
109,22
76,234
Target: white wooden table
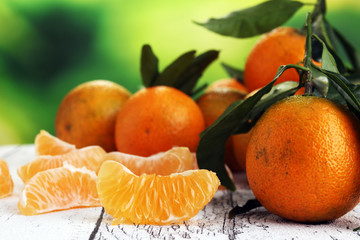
210,223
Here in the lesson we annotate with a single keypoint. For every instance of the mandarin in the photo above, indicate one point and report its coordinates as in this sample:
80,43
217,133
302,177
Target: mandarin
156,119
47,144
303,160
216,99
86,116
281,46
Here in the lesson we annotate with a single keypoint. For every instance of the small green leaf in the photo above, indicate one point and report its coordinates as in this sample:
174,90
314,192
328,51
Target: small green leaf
148,66
234,72
169,76
343,87
254,20
188,79
327,60
320,81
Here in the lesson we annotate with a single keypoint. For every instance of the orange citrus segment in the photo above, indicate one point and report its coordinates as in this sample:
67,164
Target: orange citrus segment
90,157
177,159
6,182
58,189
154,199
46,144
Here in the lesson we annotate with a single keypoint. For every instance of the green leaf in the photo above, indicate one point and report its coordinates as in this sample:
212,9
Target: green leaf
254,20
350,50
211,149
188,79
320,81
148,66
234,72
343,87
169,76
327,60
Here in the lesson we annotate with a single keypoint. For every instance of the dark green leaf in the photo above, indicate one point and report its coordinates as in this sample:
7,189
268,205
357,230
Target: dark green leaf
350,51
148,66
169,76
249,205
343,87
319,10
254,20
234,72
188,79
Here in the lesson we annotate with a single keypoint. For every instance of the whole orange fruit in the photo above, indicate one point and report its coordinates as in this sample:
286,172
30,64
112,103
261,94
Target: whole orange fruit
283,45
216,99
87,114
155,119
228,83
303,160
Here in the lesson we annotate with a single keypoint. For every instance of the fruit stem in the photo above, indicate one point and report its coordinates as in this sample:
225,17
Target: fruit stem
308,55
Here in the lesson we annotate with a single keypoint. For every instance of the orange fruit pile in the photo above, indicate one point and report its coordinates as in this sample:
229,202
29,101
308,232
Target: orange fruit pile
303,160
155,119
6,182
153,199
86,115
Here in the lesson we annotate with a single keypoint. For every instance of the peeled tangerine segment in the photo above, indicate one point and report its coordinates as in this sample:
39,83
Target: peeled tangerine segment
58,189
177,159
46,144
6,182
90,157
153,199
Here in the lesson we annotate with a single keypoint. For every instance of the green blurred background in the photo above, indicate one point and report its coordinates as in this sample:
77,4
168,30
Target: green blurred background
49,47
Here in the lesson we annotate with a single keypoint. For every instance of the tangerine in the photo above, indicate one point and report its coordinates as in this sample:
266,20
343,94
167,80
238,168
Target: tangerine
303,160
86,115
281,46
156,119
47,144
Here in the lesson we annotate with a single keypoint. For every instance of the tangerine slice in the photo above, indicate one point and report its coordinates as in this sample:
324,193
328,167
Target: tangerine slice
153,199
90,157
46,144
177,159
6,182
58,189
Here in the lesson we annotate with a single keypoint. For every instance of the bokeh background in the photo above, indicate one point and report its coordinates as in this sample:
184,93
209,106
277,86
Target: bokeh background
49,47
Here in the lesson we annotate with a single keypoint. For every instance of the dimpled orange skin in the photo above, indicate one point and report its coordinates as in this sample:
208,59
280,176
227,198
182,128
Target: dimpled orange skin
87,114
303,160
155,119
281,46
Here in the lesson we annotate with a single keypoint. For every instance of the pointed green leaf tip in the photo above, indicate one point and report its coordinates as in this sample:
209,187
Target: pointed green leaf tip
183,73
255,20
148,66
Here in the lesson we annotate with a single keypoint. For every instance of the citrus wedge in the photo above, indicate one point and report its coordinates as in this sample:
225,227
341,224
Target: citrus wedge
58,189
46,144
153,199
90,157
177,159
6,182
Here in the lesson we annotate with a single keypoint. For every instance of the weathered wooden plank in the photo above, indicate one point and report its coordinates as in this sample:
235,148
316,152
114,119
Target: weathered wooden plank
210,223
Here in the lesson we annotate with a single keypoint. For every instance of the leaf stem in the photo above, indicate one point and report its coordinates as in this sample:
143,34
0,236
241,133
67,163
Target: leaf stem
308,55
